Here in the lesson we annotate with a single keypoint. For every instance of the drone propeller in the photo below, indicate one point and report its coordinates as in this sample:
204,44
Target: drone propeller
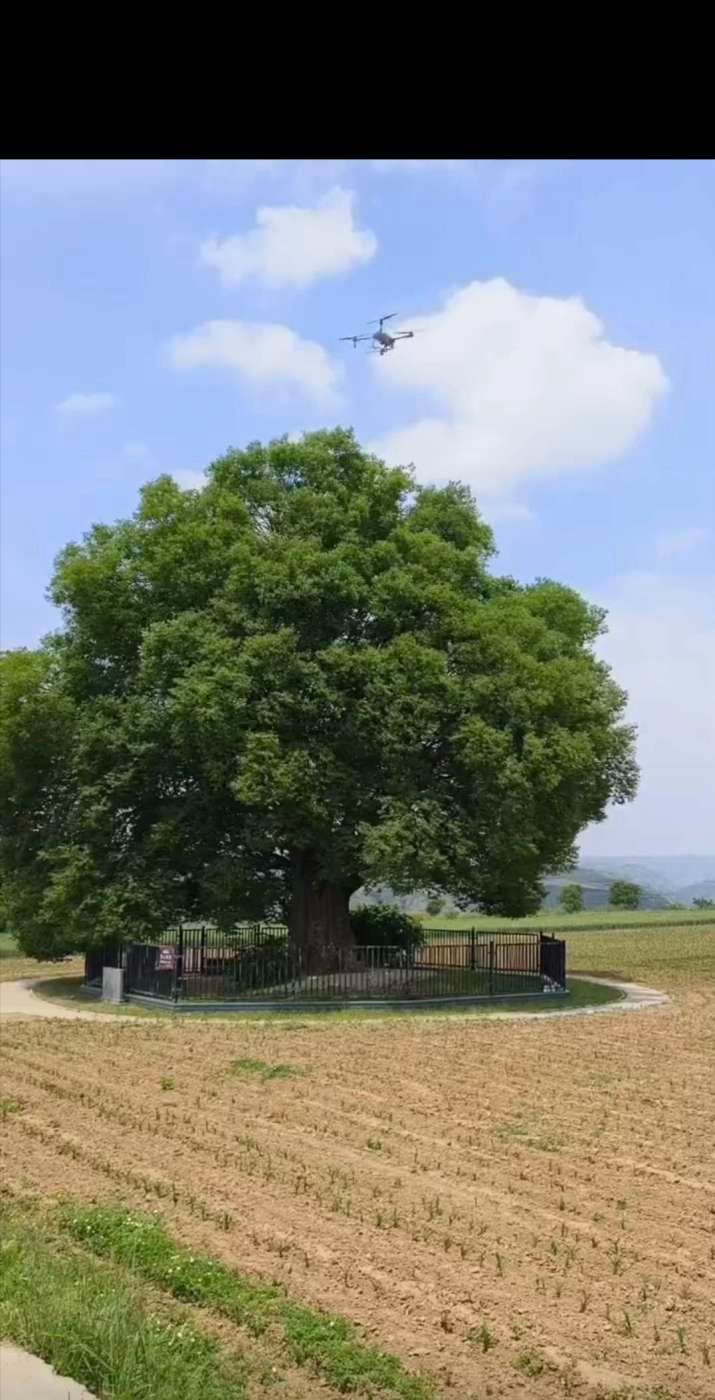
379,319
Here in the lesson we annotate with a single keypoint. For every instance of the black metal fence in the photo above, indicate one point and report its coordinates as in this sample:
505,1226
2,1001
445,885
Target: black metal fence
258,963
97,959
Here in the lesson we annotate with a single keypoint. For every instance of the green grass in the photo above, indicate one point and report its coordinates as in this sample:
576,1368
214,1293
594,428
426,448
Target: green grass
95,1323
580,994
14,964
326,1344
590,919
71,992
666,957
262,1070
8,1106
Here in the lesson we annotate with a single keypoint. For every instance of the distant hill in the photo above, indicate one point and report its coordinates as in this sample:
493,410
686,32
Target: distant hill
663,880
668,879
595,894
704,890
596,885
673,875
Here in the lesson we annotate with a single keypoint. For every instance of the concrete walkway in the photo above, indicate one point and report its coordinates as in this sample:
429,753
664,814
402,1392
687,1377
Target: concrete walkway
25,1377
19,1000
635,997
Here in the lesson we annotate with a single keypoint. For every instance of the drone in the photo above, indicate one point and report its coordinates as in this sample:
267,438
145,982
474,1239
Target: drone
382,339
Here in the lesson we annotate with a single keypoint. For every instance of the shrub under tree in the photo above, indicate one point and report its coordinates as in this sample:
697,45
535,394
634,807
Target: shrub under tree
301,679
385,926
434,905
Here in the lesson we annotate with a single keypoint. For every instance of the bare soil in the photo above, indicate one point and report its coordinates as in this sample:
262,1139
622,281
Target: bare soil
518,1207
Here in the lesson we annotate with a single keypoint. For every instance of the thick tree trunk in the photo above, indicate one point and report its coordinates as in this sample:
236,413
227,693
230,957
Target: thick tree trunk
318,916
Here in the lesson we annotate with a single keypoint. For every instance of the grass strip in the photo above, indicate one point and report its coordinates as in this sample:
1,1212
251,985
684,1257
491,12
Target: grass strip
92,1322
260,1068
320,1341
590,921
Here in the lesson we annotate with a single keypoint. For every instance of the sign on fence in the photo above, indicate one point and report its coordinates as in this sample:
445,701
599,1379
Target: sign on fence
165,959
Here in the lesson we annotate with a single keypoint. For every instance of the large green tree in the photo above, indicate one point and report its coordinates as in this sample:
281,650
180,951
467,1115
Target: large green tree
298,680
624,895
571,899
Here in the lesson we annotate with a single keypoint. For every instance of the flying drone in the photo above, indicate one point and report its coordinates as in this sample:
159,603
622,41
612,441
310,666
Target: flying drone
382,339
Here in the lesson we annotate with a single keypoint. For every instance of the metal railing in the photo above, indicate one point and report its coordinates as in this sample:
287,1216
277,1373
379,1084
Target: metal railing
202,964
96,959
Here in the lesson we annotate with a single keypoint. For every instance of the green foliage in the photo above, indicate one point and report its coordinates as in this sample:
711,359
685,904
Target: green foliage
571,899
301,679
704,904
624,895
530,1363
385,926
323,1342
434,905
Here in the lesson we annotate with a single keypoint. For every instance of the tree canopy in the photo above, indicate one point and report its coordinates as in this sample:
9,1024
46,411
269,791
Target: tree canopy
303,678
571,899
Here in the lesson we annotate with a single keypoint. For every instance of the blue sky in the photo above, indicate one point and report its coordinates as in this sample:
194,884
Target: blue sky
155,312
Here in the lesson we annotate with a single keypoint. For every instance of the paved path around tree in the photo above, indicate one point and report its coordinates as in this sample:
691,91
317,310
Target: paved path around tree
634,998
19,1000
25,1377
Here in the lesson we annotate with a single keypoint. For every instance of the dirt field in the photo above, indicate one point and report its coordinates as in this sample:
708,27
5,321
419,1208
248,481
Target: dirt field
517,1208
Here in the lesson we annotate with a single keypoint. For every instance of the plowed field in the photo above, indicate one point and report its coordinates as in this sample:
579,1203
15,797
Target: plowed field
515,1207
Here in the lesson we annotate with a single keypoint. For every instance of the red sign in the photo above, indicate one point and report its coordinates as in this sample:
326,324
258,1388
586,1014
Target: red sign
165,960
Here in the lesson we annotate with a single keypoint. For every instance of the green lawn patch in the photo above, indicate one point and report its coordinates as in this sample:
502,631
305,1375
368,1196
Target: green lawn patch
324,1343
553,920
663,957
93,1322
72,993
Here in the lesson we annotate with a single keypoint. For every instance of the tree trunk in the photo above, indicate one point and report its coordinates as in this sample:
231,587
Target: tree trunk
318,916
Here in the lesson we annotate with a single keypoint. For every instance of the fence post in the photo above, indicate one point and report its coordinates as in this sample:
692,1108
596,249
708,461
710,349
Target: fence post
491,967
472,948
178,964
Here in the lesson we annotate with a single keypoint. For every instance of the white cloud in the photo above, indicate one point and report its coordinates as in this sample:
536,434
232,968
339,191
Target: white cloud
189,480
261,352
84,406
293,246
674,542
522,386
661,645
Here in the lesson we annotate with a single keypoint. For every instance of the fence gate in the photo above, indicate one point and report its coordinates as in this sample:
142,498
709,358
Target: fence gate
552,959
